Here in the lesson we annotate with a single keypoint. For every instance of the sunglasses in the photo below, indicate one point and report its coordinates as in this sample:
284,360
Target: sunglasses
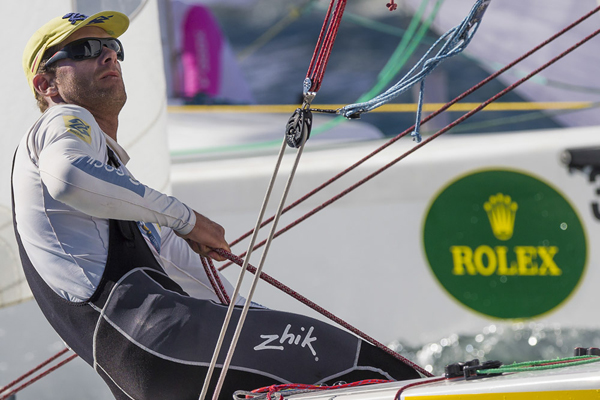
87,48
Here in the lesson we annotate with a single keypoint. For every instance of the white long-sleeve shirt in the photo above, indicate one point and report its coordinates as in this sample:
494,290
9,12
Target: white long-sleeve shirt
65,192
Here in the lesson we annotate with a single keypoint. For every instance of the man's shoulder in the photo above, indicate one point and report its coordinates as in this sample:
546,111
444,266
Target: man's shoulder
69,118
68,114
65,121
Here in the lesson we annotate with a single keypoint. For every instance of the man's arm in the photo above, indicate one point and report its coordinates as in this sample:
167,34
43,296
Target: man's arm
74,176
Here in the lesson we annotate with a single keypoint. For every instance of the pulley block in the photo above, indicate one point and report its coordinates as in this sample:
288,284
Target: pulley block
298,127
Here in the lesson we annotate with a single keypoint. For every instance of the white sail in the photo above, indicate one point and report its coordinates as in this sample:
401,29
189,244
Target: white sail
142,129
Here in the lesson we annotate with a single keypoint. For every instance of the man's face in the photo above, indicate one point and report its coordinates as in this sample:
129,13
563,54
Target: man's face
95,83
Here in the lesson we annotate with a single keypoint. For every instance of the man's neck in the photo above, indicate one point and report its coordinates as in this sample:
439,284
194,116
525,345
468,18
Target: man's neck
109,125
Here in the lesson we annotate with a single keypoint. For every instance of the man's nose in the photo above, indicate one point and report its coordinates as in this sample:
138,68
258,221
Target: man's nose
108,54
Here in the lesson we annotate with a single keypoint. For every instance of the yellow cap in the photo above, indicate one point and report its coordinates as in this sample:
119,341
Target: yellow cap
58,29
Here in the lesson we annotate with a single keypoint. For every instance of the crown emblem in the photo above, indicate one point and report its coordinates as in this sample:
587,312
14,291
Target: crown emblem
501,211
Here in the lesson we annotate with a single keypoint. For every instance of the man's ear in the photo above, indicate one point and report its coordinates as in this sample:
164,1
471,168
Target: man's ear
45,84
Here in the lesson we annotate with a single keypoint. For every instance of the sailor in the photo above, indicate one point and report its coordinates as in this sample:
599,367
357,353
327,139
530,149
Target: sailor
99,248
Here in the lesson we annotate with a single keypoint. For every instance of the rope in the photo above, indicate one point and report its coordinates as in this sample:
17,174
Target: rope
456,40
286,289
522,118
320,58
37,377
426,119
295,388
263,257
406,48
542,365
215,280
240,279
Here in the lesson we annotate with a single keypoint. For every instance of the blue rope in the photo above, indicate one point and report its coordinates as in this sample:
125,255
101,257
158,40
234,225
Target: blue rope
457,39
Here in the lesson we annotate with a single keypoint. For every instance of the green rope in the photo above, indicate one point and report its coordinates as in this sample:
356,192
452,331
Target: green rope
542,365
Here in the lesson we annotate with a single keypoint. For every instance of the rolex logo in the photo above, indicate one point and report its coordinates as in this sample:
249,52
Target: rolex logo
495,265
501,211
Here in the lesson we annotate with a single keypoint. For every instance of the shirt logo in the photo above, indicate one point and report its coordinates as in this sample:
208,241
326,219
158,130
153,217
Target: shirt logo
289,338
78,127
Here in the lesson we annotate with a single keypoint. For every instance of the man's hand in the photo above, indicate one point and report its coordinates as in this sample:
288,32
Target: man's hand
206,236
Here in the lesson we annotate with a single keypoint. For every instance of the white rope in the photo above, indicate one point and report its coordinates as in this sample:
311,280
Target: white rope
248,302
241,274
263,257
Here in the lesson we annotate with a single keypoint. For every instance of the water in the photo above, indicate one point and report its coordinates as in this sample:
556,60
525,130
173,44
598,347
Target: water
508,343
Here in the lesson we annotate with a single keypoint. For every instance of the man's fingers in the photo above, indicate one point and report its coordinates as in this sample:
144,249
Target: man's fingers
216,256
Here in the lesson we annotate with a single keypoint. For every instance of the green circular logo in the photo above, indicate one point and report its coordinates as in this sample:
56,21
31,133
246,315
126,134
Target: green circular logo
505,244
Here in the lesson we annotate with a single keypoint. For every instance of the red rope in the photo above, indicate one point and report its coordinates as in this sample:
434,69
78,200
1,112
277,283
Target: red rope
270,390
215,280
48,361
320,57
409,130
37,377
286,289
